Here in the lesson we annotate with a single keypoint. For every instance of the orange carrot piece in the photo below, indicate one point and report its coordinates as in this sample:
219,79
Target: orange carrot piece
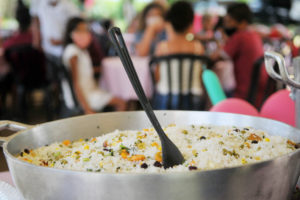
158,157
254,137
66,142
137,158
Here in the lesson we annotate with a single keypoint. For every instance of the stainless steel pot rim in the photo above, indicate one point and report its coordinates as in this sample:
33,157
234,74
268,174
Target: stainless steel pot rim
144,174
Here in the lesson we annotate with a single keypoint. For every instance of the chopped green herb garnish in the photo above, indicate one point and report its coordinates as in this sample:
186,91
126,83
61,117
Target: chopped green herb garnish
124,147
86,159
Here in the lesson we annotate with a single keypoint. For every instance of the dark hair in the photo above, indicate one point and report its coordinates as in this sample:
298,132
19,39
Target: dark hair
146,10
23,16
180,15
71,26
106,24
240,12
219,24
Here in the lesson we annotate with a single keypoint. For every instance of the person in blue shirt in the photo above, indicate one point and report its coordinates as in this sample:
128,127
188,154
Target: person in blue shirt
151,29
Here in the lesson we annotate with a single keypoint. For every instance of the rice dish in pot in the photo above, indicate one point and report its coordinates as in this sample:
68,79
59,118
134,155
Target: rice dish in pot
203,147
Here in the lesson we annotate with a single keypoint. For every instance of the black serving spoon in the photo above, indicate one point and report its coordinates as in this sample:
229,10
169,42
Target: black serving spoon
170,153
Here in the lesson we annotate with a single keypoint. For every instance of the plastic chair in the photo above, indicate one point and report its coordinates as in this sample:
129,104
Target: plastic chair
6,87
235,105
69,104
213,86
180,86
29,73
261,85
281,107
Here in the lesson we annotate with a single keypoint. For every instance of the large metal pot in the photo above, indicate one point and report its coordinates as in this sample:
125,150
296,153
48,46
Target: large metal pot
274,179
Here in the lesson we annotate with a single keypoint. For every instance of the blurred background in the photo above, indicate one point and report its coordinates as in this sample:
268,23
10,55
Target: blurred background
37,78
268,11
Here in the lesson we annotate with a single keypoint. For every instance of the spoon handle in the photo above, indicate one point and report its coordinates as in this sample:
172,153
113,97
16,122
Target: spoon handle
170,153
117,39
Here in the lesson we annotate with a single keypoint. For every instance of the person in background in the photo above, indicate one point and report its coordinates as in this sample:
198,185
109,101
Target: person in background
76,58
52,17
179,25
97,55
96,52
35,24
207,32
26,61
103,37
219,33
100,32
223,68
129,12
133,25
24,35
243,46
151,29
179,20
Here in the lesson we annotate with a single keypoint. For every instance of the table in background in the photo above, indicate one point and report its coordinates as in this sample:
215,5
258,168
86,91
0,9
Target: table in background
6,177
114,78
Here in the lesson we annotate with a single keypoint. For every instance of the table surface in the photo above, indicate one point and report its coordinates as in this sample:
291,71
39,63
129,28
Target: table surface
114,78
6,177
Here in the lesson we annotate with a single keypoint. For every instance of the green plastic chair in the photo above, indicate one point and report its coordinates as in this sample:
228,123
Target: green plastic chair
213,86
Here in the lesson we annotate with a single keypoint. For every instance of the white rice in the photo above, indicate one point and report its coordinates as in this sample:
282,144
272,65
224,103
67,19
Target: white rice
203,147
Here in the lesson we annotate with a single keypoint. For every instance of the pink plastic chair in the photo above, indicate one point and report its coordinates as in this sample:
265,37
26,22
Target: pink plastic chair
279,106
235,105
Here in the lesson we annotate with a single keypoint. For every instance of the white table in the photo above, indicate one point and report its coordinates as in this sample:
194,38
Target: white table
115,80
6,177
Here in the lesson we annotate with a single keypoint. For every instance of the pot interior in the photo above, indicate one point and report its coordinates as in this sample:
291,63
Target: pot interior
98,124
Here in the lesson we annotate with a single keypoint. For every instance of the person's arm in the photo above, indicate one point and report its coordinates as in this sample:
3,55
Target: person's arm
158,52
229,51
1,48
77,88
97,70
36,8
144,46
118,104
204,37
36,32
230,48
97,55
56,42
199,48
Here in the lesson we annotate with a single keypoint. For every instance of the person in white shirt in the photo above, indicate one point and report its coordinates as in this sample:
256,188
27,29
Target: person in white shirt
51,17
76,58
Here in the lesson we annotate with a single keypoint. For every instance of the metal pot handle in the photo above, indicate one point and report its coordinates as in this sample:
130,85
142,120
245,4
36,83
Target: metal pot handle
13,126
283,76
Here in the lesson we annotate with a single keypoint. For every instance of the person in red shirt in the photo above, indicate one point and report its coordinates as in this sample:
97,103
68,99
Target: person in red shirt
27,63
24,35
243,46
